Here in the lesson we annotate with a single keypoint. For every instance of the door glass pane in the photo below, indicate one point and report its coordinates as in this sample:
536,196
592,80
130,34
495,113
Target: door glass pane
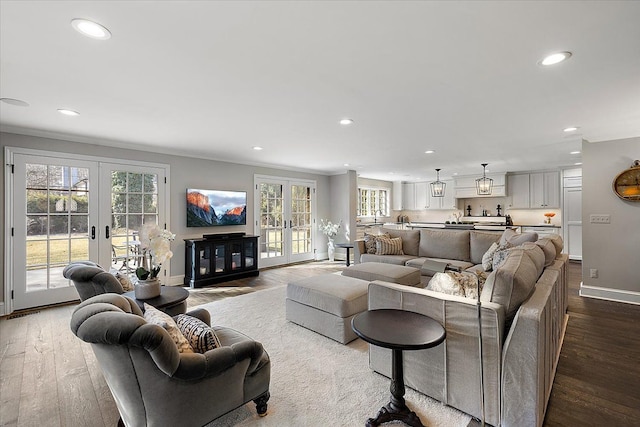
271,217
300,208
56,207
134,202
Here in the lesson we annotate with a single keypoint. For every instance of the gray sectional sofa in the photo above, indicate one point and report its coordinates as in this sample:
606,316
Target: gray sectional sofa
523,321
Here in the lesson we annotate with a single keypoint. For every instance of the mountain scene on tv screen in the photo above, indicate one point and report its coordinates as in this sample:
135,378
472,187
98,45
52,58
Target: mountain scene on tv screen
209,208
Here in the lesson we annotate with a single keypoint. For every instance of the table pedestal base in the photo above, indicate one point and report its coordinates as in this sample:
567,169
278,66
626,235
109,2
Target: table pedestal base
396,409
391,412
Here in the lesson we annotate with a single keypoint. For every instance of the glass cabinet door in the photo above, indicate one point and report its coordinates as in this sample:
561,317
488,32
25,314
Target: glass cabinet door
236,255
249,252
204,261
219,255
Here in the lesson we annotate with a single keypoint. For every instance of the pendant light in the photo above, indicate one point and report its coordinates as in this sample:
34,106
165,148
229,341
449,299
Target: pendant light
437,187
484,185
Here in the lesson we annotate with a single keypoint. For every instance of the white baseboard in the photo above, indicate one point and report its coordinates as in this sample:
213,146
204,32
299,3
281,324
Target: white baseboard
617,295
2,313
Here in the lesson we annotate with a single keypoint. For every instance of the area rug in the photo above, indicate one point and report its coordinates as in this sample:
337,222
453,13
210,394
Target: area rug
315,381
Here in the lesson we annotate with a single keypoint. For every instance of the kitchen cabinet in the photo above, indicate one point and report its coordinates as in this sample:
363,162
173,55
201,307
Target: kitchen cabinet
518,187
408,196
422,195
396,200
446,202
465,186
542,231
544,190
534,190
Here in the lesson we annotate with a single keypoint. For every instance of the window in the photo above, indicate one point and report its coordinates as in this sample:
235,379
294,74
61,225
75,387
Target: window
373,201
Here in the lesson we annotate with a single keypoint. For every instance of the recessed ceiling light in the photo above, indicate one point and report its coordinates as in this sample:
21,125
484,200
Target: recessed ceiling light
570,129
90,29
429,152
578,163
574,152
68,112
15,102
346,122
347,164
555,58
257,148
455,173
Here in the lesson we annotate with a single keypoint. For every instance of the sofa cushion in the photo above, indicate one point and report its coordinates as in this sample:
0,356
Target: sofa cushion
480,242
549,249
389,246
417,262
447,244
516,239
557,241
386,259
511,283
410,240
371,271
536,254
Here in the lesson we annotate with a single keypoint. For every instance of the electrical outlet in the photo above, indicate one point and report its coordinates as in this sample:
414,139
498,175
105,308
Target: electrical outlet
593,273
600,219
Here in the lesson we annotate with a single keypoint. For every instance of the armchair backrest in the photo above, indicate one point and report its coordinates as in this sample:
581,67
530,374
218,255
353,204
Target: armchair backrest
90,279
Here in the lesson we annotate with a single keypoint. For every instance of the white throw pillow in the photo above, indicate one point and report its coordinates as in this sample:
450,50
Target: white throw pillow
487,258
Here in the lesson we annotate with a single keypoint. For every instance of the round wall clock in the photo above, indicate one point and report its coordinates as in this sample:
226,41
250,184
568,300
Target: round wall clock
627,183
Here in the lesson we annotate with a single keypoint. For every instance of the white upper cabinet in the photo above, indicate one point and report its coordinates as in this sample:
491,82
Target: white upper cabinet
465,186
396,202
518,187
409,196
448,201
422,195
534,190
544,190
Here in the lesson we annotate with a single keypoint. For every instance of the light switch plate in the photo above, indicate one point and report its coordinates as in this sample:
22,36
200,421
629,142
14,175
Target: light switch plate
600,219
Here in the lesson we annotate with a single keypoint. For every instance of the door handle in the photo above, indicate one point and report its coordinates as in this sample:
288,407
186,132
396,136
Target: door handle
290,224
93,232
106,232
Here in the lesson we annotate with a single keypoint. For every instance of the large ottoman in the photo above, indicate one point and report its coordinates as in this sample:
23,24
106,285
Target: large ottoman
326,304
371,271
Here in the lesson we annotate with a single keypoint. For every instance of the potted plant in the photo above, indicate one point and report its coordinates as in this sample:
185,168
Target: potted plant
155,247
330,230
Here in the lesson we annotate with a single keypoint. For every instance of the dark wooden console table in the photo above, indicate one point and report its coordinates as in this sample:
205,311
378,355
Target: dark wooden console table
398,330
219,258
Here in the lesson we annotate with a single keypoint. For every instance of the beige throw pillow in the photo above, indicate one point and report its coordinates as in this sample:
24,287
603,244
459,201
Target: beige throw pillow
389,246
157,317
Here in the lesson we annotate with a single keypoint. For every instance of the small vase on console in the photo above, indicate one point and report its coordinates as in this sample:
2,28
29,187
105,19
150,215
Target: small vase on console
331,249
146,289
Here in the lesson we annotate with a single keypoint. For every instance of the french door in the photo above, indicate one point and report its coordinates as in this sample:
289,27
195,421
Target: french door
285,219
69,209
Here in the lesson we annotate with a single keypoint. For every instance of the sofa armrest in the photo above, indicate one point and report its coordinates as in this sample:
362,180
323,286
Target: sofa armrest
358,249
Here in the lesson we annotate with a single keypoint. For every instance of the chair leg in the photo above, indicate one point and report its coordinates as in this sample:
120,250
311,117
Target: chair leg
261,403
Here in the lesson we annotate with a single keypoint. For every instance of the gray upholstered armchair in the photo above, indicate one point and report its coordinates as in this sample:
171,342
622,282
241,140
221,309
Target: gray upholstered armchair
90,279
153,384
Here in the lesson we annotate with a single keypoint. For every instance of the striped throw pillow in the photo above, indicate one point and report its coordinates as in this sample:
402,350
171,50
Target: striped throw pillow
371,239
389,246
200,335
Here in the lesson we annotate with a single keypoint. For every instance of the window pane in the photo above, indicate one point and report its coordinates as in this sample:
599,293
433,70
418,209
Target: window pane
134,203
36,201
150,183
135,182
36,176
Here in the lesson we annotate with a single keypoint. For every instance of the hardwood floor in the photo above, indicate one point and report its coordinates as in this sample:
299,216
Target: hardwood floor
597,382
48,377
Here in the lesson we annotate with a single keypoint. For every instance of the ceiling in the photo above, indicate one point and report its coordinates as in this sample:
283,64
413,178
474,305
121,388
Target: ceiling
214,79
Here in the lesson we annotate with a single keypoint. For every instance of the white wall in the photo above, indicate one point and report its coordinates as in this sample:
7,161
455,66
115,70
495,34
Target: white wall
613,249
186,173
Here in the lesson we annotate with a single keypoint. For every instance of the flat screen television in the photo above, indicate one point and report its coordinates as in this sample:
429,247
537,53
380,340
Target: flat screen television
209,208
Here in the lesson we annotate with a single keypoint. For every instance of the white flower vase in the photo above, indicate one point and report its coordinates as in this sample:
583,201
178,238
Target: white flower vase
332,250
146,289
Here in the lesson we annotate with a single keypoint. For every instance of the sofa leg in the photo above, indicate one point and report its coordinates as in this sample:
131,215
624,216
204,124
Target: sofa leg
261,404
